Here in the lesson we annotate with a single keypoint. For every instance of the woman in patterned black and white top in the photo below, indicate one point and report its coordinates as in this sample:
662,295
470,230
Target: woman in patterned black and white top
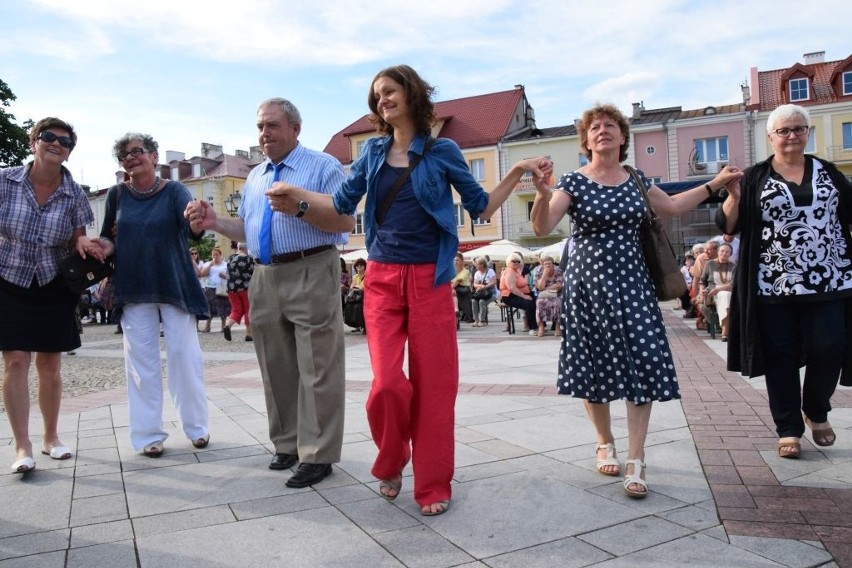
614,344
793,282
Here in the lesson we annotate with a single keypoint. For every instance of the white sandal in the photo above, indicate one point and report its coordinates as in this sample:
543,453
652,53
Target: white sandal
610,460
635,478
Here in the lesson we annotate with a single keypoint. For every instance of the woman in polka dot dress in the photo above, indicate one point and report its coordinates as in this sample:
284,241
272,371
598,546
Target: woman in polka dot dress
614,344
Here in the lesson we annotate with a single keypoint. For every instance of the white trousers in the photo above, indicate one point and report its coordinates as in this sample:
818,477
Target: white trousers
184,370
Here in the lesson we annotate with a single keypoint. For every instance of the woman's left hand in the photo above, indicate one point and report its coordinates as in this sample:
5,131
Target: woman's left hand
728,175
98,248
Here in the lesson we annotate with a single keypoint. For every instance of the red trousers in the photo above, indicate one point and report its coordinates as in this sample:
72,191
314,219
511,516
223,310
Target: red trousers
412,417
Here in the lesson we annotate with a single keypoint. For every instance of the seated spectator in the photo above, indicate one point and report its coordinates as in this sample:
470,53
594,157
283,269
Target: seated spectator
715,287
484,291
515,291
353,311
345,282
548,281
710,250
461,289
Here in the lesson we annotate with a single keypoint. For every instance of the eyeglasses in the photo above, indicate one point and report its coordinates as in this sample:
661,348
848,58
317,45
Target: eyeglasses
135,152
49,137
193,253
516,262
797,130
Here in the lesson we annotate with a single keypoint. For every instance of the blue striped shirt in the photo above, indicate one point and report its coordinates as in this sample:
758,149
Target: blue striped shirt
308,169
33,237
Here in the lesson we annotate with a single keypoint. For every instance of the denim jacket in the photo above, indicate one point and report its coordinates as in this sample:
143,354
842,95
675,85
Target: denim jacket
442,167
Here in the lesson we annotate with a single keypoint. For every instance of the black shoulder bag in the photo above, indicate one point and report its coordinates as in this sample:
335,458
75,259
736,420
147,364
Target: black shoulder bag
658,251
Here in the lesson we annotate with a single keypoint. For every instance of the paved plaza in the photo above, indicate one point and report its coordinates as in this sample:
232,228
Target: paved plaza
525,491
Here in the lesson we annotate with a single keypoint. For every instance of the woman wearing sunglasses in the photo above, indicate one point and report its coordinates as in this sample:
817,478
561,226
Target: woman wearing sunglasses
792,291
43,217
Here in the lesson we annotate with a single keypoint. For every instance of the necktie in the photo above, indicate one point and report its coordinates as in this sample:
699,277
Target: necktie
265,236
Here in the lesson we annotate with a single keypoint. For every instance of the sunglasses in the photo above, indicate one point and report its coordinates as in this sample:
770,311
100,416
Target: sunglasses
49,137
135,152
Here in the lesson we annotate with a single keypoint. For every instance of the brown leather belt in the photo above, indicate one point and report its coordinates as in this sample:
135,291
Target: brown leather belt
298,255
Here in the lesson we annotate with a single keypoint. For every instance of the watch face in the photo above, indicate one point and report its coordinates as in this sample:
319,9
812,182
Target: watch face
303,206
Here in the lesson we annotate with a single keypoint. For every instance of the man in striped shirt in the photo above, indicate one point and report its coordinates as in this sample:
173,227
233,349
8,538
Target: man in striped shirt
296,317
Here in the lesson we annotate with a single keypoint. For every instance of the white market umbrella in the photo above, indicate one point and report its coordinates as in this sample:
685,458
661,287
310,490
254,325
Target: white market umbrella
497,251
354,255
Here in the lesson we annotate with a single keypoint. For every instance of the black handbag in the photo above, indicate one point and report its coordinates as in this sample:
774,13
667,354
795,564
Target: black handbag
79,273
659,254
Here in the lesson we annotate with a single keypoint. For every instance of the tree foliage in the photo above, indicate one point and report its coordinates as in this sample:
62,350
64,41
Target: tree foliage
14,143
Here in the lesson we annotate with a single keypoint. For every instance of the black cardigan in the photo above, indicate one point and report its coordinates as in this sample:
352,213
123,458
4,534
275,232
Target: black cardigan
745,350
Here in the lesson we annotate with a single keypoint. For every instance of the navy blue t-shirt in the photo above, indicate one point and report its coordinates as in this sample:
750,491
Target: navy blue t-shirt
408,235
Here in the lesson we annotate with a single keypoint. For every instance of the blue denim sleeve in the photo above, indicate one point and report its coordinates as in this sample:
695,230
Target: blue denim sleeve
347,197
474,198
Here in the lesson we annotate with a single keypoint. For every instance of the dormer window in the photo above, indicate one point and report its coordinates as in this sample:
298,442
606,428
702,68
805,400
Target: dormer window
799,89
175,174
196,170
847,83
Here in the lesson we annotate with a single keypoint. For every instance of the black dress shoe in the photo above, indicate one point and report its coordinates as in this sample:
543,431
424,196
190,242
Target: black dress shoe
283,461
308,474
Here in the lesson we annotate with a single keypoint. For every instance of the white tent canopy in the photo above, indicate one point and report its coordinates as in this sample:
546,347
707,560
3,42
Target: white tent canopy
499,250
554,250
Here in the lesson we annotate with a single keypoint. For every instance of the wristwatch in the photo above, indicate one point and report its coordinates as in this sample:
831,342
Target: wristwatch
303,208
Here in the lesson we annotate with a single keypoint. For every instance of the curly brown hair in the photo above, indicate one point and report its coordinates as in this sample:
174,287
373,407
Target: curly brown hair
418,95
598,111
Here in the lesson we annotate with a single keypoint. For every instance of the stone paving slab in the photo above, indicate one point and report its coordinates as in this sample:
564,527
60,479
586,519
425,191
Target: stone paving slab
525,490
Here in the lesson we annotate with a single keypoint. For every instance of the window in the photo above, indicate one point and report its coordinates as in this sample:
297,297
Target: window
175,174
810,147
459,215
196,170
583,160
481,222
477,169
847,135
359,147
847,83
359,224
656,180
798,89
711,150
650,150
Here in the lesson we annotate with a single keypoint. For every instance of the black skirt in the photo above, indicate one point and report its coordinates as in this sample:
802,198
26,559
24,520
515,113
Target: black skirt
38,318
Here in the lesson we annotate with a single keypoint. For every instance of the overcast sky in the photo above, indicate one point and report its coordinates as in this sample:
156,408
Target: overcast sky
193,72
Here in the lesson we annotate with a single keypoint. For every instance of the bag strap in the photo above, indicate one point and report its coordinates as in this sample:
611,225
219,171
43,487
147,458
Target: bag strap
400,181
650,214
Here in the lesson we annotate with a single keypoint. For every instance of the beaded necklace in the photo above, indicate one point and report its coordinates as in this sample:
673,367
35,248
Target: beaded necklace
144,191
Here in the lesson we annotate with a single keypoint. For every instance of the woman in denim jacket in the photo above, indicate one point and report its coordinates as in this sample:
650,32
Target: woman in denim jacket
408,298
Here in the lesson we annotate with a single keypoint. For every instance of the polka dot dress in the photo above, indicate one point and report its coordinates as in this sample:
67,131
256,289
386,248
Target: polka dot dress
614,344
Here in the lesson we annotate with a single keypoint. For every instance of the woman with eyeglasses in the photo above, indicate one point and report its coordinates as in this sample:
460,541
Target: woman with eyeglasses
155,281
43,218
792,294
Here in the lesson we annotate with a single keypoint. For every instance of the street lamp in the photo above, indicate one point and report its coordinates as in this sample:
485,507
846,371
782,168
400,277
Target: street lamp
232,203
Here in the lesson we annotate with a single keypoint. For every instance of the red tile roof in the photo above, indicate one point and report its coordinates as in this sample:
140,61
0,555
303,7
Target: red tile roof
481,120
773,89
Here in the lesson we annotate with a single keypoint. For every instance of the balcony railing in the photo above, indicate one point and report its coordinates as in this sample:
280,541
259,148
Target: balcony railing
706,168
839,154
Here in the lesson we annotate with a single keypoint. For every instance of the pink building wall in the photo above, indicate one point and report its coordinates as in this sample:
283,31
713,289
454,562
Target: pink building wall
656,164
